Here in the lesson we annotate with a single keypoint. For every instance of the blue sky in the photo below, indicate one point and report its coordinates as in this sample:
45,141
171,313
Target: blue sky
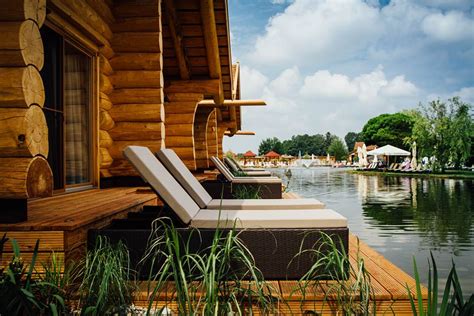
330,65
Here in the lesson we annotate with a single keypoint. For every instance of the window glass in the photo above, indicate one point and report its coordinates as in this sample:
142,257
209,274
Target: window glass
77,86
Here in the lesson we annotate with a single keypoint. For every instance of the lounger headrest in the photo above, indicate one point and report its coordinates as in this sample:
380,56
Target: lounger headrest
222,168
182,174
232,165
153,172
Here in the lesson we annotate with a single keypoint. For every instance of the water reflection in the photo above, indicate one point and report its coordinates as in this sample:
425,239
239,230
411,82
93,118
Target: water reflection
401,217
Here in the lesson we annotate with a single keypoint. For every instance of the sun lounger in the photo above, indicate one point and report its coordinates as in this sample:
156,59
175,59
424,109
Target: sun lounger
273,240
236,169
244,168
198,193
268,187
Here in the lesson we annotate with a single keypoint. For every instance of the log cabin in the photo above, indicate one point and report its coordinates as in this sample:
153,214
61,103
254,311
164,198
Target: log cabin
82,79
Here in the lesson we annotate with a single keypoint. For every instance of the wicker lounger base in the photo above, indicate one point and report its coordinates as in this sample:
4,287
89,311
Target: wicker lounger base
273,249
266,191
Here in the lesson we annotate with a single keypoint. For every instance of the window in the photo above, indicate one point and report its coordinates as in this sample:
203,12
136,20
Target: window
67,78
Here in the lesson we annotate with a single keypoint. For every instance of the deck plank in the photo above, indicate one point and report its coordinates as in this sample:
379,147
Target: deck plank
74,210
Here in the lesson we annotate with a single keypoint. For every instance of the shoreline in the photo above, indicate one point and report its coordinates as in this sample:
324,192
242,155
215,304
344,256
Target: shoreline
460,175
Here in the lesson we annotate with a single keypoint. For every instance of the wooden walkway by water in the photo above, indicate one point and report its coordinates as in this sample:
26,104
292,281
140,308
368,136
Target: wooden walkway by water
61,223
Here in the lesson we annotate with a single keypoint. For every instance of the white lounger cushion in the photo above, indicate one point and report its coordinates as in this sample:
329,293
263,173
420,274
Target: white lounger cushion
181,173
262,219
266,204
153,172
230,177
189,182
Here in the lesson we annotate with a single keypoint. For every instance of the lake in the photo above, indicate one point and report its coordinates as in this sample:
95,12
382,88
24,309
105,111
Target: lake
401,217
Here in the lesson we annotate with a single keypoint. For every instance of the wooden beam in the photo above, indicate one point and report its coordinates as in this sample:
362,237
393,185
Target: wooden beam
235,82
228,133
207,87
176,35
212,45
233,103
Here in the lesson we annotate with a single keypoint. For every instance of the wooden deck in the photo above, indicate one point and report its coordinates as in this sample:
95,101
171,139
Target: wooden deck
61,222
388,283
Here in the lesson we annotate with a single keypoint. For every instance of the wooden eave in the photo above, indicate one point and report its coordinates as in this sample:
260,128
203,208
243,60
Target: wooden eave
184,43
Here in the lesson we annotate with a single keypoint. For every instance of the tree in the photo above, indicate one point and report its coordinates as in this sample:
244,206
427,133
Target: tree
270,144
338,149
462,130
351,138
444,131
388,129
327,142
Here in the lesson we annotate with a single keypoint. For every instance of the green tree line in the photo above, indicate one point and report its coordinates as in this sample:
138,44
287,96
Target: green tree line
444,130
317,144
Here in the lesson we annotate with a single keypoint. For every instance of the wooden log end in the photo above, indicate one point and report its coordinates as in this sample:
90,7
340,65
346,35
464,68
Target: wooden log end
33,88
39,181
31,44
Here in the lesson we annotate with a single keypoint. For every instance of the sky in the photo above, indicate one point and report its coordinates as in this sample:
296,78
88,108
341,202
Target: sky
330,65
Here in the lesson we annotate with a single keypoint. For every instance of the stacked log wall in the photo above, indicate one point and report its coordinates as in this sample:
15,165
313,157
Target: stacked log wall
137,80
24,170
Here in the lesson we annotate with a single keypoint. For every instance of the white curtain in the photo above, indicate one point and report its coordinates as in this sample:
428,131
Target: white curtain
77,113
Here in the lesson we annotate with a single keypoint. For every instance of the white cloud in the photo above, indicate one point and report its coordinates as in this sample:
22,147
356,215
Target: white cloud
450,27
399,87
366,87
280,1
317,31
466,94
320,102
252,82
315,64
325,85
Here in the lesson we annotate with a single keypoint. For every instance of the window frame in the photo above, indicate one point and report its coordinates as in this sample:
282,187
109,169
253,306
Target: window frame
70,36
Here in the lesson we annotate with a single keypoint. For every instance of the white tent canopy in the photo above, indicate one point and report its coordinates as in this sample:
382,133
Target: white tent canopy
389,150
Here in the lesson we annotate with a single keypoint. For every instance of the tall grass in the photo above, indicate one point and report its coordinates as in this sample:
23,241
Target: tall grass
350,289
452,302
106,285
244,192
20,292
213,280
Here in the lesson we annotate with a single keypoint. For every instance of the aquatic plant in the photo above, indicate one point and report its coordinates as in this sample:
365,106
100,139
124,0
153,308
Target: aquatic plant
350,290
452,302
219,279
106,285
